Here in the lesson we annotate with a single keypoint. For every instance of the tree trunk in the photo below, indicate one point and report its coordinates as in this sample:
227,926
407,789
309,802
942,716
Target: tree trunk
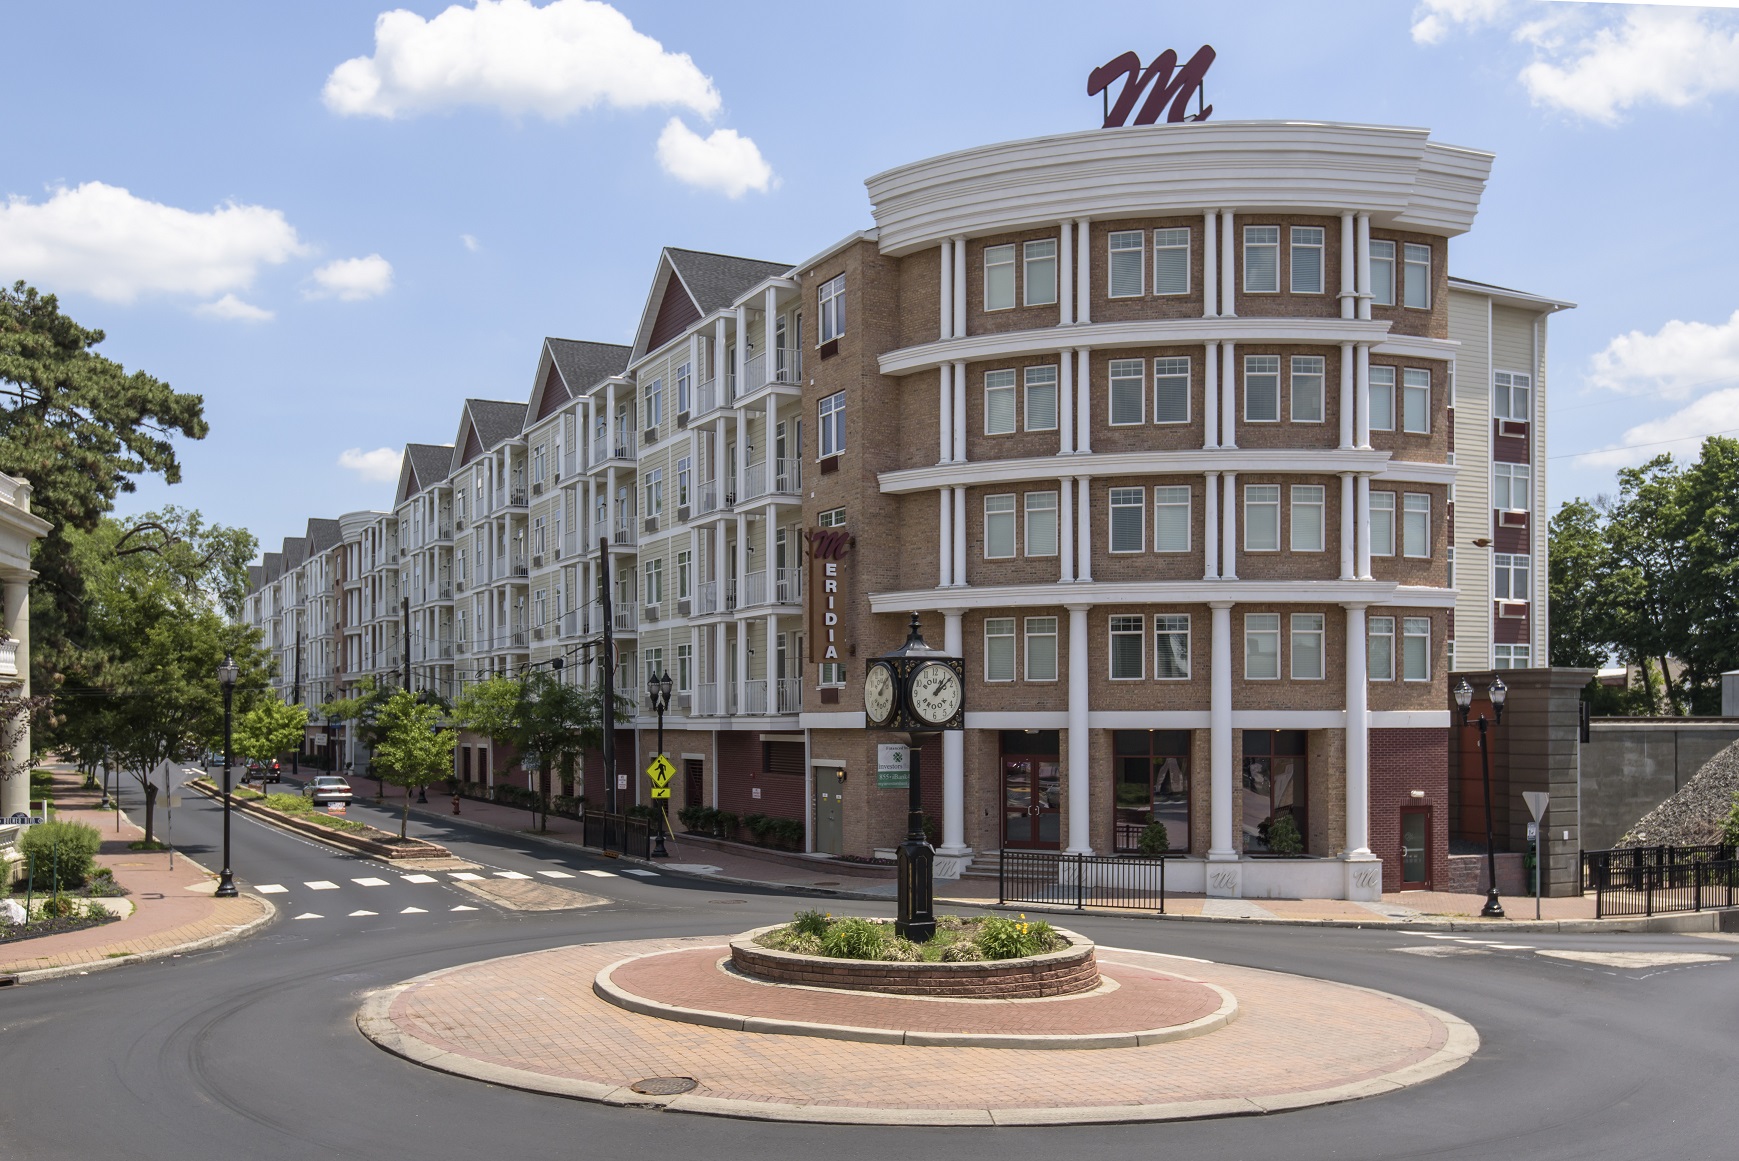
150,807
1672,694
405,818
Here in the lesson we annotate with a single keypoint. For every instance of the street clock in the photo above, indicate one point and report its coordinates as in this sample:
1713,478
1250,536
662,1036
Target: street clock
915,688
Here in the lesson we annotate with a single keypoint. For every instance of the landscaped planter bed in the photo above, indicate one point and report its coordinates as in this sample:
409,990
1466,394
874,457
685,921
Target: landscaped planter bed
358,836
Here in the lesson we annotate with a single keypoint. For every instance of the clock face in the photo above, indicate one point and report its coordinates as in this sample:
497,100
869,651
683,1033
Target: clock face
935,693
878,693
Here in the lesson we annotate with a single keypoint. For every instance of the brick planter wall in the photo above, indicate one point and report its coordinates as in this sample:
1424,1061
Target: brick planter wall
1056,973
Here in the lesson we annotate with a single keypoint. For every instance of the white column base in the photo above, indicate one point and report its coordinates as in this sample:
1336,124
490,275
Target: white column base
1225,876
1364,877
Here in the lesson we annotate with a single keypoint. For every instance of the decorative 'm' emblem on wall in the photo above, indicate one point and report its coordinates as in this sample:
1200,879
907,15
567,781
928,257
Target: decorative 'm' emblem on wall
1168,83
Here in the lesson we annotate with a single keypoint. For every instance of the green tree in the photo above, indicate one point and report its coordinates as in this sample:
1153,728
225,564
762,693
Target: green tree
414,750
362,710
270,728
1707,638
1646,581
1581,624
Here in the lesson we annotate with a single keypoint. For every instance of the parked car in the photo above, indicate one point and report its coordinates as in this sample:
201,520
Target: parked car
263,772
327,788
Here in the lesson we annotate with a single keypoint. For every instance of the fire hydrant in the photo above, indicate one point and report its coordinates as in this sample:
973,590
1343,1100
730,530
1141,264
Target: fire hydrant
455,802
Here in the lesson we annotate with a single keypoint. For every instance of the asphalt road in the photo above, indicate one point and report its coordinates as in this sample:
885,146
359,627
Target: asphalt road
250,1051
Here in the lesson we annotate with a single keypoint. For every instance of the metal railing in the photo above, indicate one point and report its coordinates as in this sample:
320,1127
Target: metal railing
786,367
706,598
619,445
616,832
1602,866
790,695
754,480
788,587
706,701
570,463
755,696
710,497
1655,890
625,618
754,589
1130,882
788,477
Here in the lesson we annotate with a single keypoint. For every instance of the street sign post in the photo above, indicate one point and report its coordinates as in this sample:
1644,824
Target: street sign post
1538,801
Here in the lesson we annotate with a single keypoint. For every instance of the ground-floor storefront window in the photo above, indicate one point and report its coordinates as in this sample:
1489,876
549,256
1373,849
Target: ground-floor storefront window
1032,789
1152,788
1274,792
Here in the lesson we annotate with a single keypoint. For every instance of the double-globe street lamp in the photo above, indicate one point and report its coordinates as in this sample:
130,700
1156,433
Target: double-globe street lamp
1464,699
226,678
658,691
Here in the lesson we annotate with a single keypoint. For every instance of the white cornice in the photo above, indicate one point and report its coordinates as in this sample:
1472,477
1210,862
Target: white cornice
1387,594
1193,461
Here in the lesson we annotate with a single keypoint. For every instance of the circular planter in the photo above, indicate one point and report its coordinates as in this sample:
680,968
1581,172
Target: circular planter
1055,973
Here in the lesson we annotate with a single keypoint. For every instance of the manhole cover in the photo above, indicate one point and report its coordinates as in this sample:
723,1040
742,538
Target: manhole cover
664,1085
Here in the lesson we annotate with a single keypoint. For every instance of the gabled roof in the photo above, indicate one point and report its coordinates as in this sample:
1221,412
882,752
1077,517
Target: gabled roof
295,551
323,534
1510,297
693,284
483,424
256,577
424,464
273,564
567,368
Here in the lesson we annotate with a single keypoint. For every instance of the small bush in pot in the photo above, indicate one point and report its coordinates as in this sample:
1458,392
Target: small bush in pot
1155,839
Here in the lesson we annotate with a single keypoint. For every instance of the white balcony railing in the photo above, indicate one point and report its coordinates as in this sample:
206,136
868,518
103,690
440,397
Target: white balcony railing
788,586
626,618
754,589
786,368
706,598
709,496
754,481
790,695
706,701
755,697
788,477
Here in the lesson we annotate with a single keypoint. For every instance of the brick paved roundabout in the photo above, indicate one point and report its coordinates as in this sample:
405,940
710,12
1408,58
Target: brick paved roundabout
534,1022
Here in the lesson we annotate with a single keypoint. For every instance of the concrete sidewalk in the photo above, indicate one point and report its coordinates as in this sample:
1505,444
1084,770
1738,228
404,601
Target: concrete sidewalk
173,910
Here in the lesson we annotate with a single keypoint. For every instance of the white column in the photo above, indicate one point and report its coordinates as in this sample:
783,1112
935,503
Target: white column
953,756
945,298
1065,274
959,421
1229,527
1210,527
960,286
609,507
1346,395
720,644
1362,395
1228,266
1229,397
1084,528
1349,262
1083,403
1363,529
945,412
720,342
945,538
1211,395
1220,848
1080,810
769,335
959,536
1348,524
1364,265
1358,739
1065,403
742,356
1210,266
15,792
1066,529
1084,269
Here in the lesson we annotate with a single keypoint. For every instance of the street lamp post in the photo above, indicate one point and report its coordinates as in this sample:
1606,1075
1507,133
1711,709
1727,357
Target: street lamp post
1464,700
658,690
226,677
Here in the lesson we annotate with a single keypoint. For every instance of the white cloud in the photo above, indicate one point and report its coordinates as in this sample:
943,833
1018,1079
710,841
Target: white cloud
1673,362
1680,433
724,160
1433,19
380,466
553,61
1673,57
471,243
353,279
231,307
101,240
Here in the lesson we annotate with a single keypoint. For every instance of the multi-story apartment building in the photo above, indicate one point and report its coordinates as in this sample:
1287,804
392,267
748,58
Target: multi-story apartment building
1172,432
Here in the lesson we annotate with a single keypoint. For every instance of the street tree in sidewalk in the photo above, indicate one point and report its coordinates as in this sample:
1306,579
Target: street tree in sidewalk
491,708
414,750
362,710
552,724
270,728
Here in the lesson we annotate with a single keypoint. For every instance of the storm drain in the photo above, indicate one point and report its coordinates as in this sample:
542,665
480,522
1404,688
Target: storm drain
664,1085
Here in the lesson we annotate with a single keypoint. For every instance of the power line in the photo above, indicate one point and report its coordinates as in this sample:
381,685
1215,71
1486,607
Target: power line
1634,446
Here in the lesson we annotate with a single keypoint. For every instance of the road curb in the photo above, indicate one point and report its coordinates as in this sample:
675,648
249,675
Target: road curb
233,935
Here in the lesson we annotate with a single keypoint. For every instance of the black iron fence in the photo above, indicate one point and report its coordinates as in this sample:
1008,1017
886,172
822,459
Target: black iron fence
1603,867
1131,882
1666,887
614,832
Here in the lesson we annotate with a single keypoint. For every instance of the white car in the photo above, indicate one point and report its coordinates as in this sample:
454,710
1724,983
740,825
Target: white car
327,788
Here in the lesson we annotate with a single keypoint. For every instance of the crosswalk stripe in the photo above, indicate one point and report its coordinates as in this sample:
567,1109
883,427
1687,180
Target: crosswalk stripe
417,878
369,882
555,874
414,911
642,874
465,876
462,907
271,889
510,875
1512,947
354,914
310,915
321,885
599,874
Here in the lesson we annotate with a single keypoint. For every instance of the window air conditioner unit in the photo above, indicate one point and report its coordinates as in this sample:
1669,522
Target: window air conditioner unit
649,613
537,562
1512,610
681,513
682,419
1517,428
650,524
683,607
537,488
537,634
649,437
1512,519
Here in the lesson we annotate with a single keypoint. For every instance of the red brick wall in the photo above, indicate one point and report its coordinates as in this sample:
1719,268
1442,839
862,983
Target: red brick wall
1402,761
740,775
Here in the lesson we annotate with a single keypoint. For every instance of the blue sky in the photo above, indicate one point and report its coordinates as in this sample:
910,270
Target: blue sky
335,254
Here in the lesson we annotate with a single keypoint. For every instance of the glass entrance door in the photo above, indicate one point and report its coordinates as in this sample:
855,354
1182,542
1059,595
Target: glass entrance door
1415,849
1031,796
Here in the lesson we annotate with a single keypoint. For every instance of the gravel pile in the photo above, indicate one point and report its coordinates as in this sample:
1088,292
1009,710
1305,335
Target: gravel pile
1695,814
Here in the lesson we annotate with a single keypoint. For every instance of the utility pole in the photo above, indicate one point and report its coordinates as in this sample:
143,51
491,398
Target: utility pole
608,663
295,699
405,609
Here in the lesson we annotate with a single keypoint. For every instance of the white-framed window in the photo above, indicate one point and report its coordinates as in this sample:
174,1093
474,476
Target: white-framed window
654,663
654,582
1171,642
684,380
1041,523
1261,388
999,649
1380,649
655,492
1308,372
1126,648
832,414
832,518
1307,646
1171,390
684,477
1382,273
540,608
1510,487
1415,648
1261,259
1171,261
1128,388
1041,398
1511,656
1171,518
1509,394
655,403
830,673
1128,508
1039,272
999,277
1382,399
1449,555
1382,524
1261,517
1261,646
830,303
1509,577
1416,276
1307,251
999,403
1125,248
539,463
1449,652
1416,524
1416,401
1041,648
999,526
537,536
1307,532
684,668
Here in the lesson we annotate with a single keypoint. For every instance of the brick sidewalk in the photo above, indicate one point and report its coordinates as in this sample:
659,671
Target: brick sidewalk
171,908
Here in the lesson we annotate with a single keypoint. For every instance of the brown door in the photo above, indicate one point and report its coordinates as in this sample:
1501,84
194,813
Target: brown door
1415,848
1031,796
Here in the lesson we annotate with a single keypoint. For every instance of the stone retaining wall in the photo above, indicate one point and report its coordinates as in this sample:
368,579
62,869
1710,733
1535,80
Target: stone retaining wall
1056,973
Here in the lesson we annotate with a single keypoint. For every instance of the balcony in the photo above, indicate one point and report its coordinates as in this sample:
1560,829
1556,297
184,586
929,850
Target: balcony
570,542
625,619
573,623
755,697
790,695
617,448
788,586
707,398
623,535
521,567
706,701
570,464
785,370
709,497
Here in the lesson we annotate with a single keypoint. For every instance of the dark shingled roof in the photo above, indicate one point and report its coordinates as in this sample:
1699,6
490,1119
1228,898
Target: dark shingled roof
295,551
323,534
256,577
496,419
583,364
273,565
715,280
430,461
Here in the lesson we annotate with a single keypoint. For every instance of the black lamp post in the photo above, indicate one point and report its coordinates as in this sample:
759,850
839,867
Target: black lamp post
658,690
226,677
331,754
1464,699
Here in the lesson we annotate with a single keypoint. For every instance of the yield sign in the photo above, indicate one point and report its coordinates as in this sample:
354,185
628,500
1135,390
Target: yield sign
1536,800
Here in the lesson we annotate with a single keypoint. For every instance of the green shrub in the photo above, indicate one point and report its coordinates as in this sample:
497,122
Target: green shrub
811,923
690,817
288,803
854,939
57,907
1155,839
1730,828
95,910
788,831
638,810
727,824
1283,836
568,805
1000,938
902,950
756,825
961,953
62,850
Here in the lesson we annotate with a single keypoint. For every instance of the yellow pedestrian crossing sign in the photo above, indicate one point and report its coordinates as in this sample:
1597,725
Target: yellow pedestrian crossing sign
661,772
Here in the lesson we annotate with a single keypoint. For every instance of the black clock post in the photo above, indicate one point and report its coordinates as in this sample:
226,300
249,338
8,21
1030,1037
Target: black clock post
927,700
